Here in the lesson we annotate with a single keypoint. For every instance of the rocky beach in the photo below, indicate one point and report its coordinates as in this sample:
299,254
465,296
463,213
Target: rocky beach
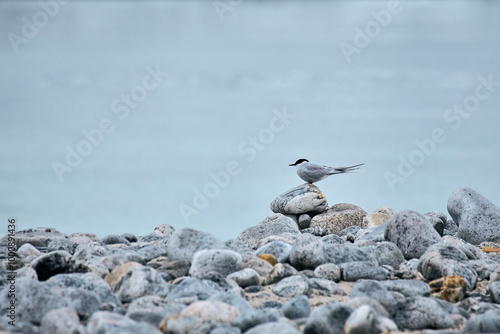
309,267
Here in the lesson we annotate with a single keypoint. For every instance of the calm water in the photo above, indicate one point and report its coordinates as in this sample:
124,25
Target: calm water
161,137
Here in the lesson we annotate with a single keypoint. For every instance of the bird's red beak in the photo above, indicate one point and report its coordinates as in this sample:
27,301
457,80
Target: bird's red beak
292,165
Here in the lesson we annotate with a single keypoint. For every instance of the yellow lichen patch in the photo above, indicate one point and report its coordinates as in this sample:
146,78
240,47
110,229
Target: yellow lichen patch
269,258
450,288
490,249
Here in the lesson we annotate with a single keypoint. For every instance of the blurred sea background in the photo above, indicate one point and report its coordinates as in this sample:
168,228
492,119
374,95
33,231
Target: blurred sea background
229,72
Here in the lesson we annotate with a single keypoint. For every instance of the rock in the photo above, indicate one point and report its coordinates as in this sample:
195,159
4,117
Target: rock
38,237
356,302
332,239
211,310
338,217
302,199
183,243
67,245
372,233
137,281
245,277
151,237
186,325
253,318
113,239
409,288
269,258
225,329
441,260
153,305
53,263
130,237
307,252
438,221
279,272
325,287
272,225
292,286
30,295
280,249
420,313
378,217
135,328
366,320
316,230
328,271
280,327
61,321
345,253
327,319
84,302
89,282
494,290
234,300
411,232
259,265
27,250
223,261
297,307
483,323
451,226
27,272
289,238
304,220
409,269
472,252
104,322
354,271
386,253
376,291
450,288
176,268
165,229
191,289
477,218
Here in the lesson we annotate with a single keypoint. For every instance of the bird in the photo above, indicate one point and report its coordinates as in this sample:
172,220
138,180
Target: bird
311,173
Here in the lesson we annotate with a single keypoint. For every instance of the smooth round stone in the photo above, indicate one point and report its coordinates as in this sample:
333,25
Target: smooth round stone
302,199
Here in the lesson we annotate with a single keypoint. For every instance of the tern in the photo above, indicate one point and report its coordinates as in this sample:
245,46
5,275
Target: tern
311,173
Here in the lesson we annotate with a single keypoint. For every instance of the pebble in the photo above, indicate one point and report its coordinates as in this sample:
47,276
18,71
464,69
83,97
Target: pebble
325,287
113,239
104,322
477,218
37,237
279,272
222,261
253,318
245,277
176,268
191,289
297,307
488,322
68,245
301,199
183,243
494,290
53,263
60,321
377,291
328,271
27,250
386,253
366,320
307,252
292,286
275,224
411,232
304,220
262,267
280,327
338,217
211,310
378,217
421,312
280,249
437,220
409,288
328,319
334,253
165,229
354,271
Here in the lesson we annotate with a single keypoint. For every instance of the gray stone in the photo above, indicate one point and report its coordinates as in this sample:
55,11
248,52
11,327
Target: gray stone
27,272
61,321
409,269
165,229
376,291
53,263
354,271
441,260
345,253
438,221
191,289
484,268
279,272
113,239
297,307
338,217
328,319
38,237
280,249
30,296
451,226
304,220
307,252
301,199
316,230
292,286
253,318
223,261
275,224
494,290
472,252
477,218
325,287
366,320
259,265
420,313
378,217
411,232
130,237
373,233
245,277
386,253
183,243
84,302
328,271
27,250
104,322
356,302
409,288
67,245
234,300
136,328
332,239
483,323
151,237
280,327
150,304
225,329
176,268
